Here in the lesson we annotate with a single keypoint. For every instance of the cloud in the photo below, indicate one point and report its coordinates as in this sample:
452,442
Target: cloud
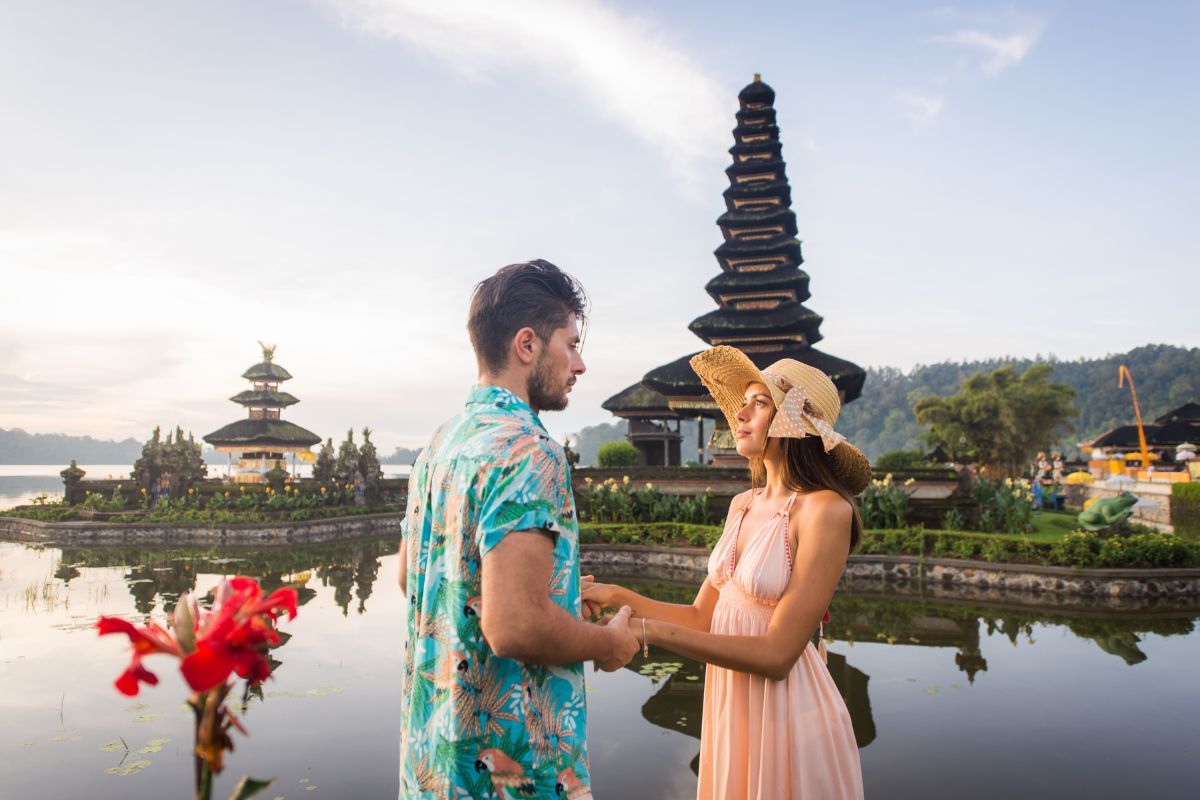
624,67
998,52
921,109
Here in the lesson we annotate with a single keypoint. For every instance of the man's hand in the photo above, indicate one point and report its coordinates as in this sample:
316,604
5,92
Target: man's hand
624,642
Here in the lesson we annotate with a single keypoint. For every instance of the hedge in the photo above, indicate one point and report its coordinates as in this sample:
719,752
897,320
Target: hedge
1082,550
1185,510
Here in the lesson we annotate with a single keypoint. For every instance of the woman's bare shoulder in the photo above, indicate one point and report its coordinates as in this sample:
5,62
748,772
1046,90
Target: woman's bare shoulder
826,499
824,506
739,501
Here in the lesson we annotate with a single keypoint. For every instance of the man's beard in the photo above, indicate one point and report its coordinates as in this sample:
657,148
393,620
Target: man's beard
545,394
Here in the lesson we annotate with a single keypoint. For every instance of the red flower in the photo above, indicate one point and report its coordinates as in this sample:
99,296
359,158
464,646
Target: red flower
146,641
232,637
235,635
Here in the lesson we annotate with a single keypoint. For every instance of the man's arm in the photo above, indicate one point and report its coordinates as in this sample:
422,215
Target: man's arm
520,621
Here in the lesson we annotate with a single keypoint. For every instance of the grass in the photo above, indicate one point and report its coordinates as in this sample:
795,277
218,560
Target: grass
1052,525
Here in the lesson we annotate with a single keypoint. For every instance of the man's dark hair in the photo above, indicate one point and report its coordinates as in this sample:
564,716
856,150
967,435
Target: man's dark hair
533,294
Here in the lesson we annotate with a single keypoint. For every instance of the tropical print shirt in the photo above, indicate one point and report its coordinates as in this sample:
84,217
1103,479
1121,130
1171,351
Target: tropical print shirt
474,724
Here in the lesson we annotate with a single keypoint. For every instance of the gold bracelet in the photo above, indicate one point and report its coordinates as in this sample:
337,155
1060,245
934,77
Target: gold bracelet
645,641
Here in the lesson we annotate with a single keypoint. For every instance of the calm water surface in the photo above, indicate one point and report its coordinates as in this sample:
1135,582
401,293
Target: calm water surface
948,699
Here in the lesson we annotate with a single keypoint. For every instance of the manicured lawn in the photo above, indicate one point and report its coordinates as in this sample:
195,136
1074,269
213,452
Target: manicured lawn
1051,525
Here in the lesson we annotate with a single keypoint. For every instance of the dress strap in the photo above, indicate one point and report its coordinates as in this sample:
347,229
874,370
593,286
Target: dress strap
737,532
787,537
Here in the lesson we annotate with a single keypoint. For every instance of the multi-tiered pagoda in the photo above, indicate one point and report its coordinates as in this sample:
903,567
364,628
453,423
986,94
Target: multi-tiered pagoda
760,295
263,440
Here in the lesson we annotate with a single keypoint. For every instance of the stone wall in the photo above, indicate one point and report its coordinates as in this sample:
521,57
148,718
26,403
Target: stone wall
1026,584
264,533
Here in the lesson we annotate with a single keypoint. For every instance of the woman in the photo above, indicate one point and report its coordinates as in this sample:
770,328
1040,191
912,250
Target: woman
774,724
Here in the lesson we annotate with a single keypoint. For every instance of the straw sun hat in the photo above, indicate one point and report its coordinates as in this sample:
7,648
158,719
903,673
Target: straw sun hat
806,404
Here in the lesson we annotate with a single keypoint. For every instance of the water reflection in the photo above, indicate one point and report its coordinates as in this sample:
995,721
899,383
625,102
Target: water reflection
915,622
156,577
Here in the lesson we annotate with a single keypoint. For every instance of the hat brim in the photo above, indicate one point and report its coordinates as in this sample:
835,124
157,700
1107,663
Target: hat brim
726,372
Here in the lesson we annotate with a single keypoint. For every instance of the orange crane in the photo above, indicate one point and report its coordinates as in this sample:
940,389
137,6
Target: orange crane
1123,373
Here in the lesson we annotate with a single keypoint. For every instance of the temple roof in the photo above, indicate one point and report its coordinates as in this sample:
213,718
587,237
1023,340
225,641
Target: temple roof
1186,411
678,380
265,399
729,283
781,245
785,319
773,215
756,92
638,400
262,432
267,371
1157,436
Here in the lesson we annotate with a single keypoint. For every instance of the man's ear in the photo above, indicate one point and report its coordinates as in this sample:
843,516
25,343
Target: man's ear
526,345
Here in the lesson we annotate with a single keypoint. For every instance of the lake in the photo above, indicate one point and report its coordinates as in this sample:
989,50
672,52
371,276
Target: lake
947,699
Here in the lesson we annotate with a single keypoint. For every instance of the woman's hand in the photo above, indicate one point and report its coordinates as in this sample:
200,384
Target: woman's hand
598,596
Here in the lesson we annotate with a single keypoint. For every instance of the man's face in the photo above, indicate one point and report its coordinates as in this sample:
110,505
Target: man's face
556,368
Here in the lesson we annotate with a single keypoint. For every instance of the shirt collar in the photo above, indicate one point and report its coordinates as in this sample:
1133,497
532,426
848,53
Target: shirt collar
498,396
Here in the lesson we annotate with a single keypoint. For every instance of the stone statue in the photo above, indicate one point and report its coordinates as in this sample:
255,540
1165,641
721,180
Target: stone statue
72,478
276,477
571,456
1107,512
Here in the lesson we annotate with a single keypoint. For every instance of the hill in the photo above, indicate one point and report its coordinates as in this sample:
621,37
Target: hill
1166,376
19,447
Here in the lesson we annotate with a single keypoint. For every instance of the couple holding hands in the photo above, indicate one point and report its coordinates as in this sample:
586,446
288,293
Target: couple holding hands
497,632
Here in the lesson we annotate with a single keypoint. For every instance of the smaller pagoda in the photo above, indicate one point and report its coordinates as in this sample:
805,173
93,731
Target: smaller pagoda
263,440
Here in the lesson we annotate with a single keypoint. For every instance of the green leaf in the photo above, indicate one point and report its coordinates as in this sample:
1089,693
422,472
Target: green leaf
248,787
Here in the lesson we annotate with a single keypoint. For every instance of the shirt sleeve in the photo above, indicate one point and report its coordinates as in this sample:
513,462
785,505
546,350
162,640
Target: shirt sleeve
524,489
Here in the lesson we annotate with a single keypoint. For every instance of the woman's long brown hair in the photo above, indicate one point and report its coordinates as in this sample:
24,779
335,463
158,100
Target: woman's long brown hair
806,468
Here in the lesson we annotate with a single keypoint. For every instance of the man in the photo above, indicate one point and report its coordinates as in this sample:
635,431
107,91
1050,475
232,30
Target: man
493,682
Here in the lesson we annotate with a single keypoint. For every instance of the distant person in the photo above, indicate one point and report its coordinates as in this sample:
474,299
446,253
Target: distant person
774,726
493,697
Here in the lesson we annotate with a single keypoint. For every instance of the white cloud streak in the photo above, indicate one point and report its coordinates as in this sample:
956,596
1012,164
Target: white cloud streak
998,52
624,67
921,109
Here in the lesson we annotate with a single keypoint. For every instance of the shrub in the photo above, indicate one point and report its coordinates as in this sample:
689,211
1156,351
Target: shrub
654,533
621,501
900,460
884,504
620,453
1004,506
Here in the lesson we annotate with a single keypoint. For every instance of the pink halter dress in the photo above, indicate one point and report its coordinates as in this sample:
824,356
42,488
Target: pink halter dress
763,739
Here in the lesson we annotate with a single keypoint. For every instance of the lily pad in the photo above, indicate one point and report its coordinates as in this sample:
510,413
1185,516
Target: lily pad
132,768
112,747
153,746
150,717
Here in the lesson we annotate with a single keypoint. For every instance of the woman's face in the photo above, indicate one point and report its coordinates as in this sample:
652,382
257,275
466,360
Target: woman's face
753,420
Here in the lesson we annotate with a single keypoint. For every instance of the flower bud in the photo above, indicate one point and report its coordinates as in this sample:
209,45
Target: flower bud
184,623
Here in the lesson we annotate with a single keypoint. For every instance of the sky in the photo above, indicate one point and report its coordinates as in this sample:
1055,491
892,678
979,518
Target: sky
181,180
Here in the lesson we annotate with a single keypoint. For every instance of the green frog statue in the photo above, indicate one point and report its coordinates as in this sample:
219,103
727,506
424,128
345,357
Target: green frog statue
1107,512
